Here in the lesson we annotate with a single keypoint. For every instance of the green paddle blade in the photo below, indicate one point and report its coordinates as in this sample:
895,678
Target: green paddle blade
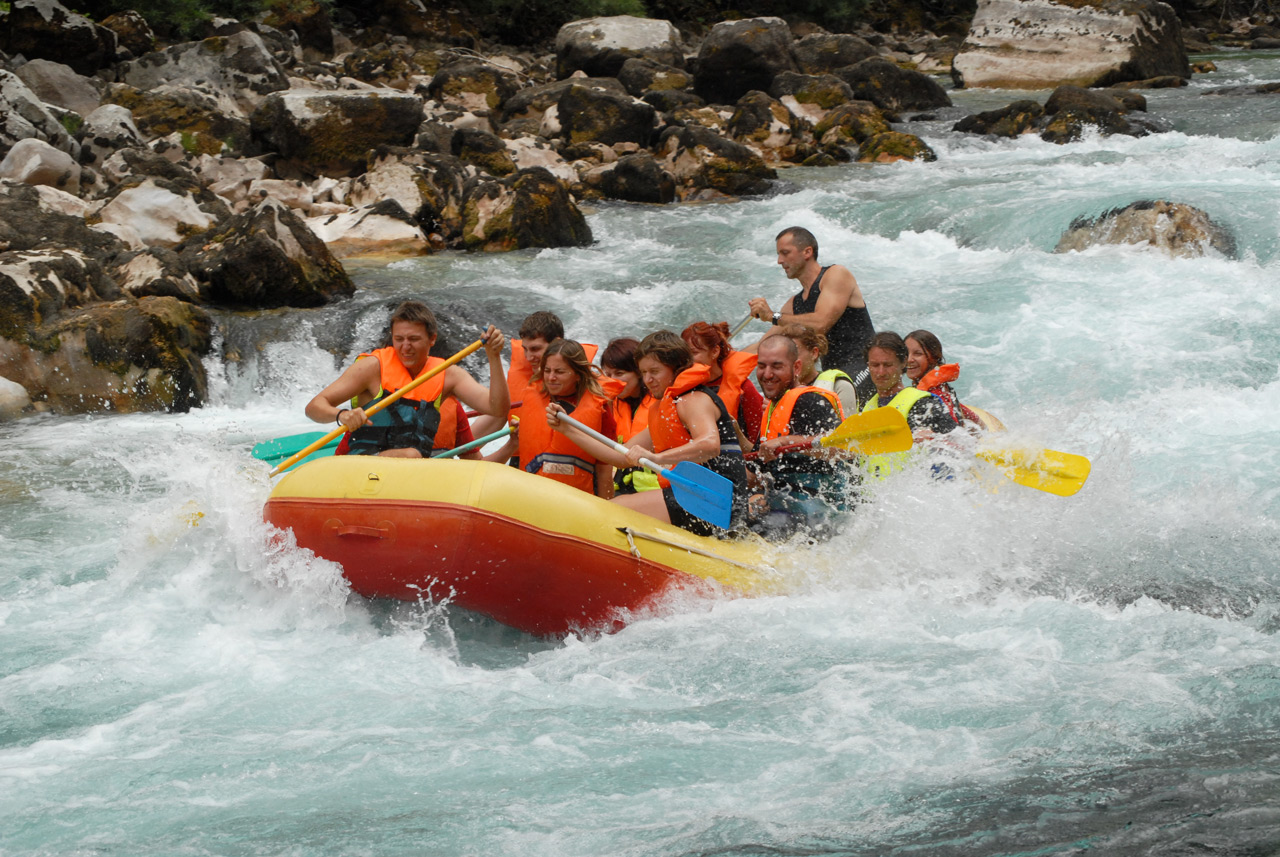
702,493
277,450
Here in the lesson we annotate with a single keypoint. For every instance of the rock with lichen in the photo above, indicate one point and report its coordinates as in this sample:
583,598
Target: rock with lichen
850,123
600,46
739,56
531,208
894,146
700,159
1172,227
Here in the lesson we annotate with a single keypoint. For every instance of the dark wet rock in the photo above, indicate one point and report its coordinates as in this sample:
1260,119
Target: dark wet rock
238,70
45,29
891,88
1129,100
1070,109
638,178
894,146
37,284
1034,44
132,32
600,46
529,209
586,114
197,117
764,122
266,257
473,85
26,225
60,85
699,159
1017,118
1168,81
534,101
641,75
309,19
141,161
381,65
824,90
821,53
850,123
668,100
1258,89
483,150
739,56
154,272
331,133
1175,228
23,115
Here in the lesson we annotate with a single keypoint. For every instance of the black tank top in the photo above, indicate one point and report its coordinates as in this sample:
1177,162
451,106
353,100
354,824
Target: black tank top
847,338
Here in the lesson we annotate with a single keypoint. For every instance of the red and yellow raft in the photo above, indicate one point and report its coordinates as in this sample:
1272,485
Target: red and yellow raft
529,552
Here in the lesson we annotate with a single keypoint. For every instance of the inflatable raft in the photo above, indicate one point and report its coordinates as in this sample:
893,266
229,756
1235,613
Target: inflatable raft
529,552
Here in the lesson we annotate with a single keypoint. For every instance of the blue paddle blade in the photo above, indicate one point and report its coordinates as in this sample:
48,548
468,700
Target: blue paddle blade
702,493
277,450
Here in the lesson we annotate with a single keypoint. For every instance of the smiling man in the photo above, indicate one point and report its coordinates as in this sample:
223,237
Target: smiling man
829,301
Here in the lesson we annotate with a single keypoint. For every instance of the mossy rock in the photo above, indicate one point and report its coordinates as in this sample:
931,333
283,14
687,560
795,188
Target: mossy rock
894,146
853,122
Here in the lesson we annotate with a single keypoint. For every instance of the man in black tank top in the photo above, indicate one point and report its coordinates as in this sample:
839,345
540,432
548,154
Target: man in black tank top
829,301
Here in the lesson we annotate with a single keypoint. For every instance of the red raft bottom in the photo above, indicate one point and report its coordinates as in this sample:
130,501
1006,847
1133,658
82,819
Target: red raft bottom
540,582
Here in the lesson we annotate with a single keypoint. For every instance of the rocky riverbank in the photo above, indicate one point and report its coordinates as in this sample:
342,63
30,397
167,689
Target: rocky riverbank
141,182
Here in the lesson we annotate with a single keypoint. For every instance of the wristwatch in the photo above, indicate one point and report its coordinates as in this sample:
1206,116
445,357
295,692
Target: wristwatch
777,319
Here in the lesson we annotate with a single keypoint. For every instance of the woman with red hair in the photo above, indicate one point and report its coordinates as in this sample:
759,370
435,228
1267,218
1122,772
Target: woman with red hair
731,373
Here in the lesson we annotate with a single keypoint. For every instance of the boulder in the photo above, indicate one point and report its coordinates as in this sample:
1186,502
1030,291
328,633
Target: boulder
529,152
266,257
484,151
670,100
14,400
162,212
307,19
381,65
473,85
894,146
1017,118
637,178
1036,44
197,117
23,115
892,88
764,124
533,101
600,46
1175,228
107,130
26,223
529,209
331,133
429,188
586,114
823,90
123,356
132,32
640,75
237,70
383,228
35,162
60,85
155,272
230,178
61,202
1071,109
739,56
140,161
853,122
821,53
700,159
45,29
36,285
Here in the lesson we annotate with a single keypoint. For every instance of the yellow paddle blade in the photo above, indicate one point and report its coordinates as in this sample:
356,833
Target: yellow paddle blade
1046,470
876,432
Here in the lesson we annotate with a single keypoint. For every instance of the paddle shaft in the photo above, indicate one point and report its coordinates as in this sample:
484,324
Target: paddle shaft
740,326
467,447
394,397
607,441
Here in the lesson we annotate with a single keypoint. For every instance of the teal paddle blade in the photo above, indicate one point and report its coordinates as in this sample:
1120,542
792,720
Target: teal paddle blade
702,493
278,449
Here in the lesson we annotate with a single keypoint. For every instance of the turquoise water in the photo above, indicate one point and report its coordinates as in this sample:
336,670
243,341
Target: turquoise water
960,672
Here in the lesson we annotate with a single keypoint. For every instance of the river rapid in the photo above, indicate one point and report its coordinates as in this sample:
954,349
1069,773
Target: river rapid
959,672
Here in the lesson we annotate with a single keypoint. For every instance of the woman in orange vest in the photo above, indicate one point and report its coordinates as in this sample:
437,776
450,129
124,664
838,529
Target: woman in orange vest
566,380
927,372
630,402
687,422
730,373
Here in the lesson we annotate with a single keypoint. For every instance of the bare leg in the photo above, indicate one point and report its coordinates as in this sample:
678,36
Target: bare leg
649,502
409,452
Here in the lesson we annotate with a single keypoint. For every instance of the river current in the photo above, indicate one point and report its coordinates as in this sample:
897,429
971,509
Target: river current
959,672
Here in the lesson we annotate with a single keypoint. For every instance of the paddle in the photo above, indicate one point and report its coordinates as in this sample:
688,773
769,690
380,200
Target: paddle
740,326
876,432
1048,470
470,414
377,406
280,448
699,491
475,444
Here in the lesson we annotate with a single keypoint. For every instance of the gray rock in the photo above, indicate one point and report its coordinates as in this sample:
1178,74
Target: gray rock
638,178
35,285
1175,228
45,29
600,46
14,400
107,130
892,88
58,84
35,162
529,209
534,101
700,159
641,75
584,114
23,115
237,70
739,56
825,52
473,85
25,224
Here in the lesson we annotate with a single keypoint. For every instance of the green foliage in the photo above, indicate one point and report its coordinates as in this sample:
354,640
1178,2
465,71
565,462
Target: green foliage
71,122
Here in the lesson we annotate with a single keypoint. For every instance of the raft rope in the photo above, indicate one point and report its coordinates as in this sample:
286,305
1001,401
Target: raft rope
632,535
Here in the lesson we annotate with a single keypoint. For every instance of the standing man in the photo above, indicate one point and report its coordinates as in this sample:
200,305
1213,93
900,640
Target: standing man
829,301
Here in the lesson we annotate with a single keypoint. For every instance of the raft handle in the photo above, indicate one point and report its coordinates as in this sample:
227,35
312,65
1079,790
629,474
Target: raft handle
369,532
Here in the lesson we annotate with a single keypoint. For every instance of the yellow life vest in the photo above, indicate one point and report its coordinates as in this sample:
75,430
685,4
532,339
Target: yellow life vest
882,465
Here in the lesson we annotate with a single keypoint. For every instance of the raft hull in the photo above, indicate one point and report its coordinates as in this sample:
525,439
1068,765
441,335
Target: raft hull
529,552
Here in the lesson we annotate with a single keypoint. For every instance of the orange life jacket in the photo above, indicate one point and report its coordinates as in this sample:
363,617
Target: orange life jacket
521,371
665,428
778,417
629,424
406,422
549,453
943,373
735,370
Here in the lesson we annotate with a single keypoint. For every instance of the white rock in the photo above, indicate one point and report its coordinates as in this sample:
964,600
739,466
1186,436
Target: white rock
13,399
124,232
52,199
159,216
359,232
23,115
35,162
528,152
58,84
292,193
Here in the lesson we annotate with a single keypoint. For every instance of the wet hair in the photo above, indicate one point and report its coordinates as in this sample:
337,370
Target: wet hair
930,344
889,341
620,355
576,356
542,325
801,237
711,337
416,312
793,351
668,349
805,336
